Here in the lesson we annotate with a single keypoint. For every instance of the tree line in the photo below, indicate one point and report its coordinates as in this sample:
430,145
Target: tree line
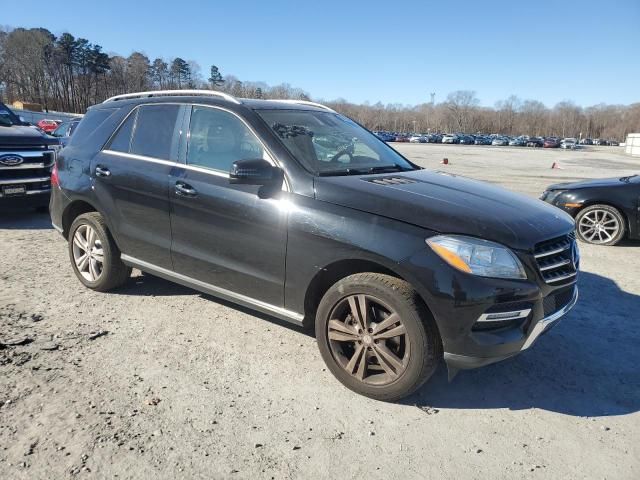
65,73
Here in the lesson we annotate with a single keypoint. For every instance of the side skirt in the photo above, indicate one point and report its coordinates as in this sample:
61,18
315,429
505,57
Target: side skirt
282,313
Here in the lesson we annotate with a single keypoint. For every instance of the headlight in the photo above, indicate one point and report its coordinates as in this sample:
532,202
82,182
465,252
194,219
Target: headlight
478,257
551,195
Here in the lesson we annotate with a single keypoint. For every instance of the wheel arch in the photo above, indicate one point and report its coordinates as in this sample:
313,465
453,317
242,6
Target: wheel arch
337,270
75,209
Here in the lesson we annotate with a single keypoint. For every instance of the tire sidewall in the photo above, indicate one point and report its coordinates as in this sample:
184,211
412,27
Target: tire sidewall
613,211
417,337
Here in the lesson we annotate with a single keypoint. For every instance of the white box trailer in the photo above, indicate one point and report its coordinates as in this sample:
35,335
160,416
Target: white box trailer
632,145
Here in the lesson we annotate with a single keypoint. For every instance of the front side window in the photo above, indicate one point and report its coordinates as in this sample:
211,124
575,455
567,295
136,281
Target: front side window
218,138
327,143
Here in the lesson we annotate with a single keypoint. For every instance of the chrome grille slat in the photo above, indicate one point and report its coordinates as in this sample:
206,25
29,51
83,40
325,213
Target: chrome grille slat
555,260
555,265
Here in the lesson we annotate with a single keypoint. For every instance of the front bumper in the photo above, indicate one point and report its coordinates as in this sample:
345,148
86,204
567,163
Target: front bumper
459,362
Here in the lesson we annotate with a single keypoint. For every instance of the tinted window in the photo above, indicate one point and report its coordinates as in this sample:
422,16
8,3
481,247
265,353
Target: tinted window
331,144
122,139
218,138
90,122
154,129
62,130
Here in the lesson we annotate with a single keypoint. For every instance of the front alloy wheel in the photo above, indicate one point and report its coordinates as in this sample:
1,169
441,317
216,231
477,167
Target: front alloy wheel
600,225
368,339
377,336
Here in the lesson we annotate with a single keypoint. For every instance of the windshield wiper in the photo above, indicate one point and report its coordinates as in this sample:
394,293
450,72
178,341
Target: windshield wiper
346,171
363,171
387,168
626,179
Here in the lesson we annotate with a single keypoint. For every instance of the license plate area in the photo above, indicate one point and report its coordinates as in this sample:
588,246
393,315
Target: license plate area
14,190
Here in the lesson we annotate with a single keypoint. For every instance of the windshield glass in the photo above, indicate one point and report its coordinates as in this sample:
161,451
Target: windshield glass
329,144
6,118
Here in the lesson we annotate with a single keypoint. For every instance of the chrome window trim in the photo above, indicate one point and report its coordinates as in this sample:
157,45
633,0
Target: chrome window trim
281,312
135,156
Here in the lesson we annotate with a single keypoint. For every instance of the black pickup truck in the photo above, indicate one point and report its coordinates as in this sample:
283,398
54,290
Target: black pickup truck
27,156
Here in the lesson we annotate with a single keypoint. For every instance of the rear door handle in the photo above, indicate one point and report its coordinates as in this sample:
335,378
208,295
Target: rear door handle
185,190
102,171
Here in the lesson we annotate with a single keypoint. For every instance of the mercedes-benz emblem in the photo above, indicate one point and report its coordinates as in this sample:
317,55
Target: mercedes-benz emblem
11,160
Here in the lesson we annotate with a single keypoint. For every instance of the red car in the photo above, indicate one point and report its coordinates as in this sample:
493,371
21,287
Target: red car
48,126
551,143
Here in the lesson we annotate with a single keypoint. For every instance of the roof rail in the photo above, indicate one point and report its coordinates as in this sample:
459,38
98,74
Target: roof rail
305,102
168,93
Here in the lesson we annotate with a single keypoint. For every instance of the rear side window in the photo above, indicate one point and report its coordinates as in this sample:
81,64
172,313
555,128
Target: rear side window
153,133
90,123
148,131
122,139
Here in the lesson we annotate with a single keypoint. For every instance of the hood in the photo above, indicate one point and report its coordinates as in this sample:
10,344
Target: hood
447,203
19,135
598,182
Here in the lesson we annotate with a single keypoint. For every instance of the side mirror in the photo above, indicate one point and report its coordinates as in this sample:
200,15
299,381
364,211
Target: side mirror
255,172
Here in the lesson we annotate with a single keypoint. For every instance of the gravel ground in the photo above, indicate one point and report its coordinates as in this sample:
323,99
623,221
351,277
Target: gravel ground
159,381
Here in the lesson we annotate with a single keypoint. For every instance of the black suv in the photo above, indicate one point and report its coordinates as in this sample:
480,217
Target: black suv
291,209
26,159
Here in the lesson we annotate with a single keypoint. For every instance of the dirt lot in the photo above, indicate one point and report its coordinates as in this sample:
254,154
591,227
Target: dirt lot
159,381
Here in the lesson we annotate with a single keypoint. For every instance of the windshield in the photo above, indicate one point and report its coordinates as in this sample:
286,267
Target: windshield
329,144
6,118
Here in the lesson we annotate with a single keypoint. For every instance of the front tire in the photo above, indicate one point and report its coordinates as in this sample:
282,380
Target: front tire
95,257
377,337
600,225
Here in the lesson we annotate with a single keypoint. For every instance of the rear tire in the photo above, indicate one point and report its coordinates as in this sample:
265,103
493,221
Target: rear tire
94,255
387,353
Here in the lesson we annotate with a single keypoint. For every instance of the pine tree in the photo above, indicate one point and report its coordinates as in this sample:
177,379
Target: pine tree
216,77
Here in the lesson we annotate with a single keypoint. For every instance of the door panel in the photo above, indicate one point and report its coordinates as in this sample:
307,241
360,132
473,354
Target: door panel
131,180
227,236
224,234
135,198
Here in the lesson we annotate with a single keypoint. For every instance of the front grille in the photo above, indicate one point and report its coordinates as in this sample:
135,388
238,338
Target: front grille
557,259
391,181
34,172
556,301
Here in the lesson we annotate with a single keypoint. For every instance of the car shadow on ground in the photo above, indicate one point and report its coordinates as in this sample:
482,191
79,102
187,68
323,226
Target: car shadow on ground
144,284
21,219
586,366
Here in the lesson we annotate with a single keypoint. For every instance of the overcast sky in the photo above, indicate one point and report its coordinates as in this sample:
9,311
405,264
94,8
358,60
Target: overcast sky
394,52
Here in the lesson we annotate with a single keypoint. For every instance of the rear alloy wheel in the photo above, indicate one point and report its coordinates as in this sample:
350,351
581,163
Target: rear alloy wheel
94,256
600,225
376,336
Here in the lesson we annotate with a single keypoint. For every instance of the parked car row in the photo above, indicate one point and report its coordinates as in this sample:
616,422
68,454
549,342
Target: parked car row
493,139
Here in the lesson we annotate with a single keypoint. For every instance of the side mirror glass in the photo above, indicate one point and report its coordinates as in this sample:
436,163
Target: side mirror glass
254,172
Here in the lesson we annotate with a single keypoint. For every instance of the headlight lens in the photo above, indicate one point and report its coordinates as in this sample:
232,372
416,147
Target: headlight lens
551,195
478,257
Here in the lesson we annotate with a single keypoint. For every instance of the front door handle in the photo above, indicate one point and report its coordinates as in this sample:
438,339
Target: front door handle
185,190
102,171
